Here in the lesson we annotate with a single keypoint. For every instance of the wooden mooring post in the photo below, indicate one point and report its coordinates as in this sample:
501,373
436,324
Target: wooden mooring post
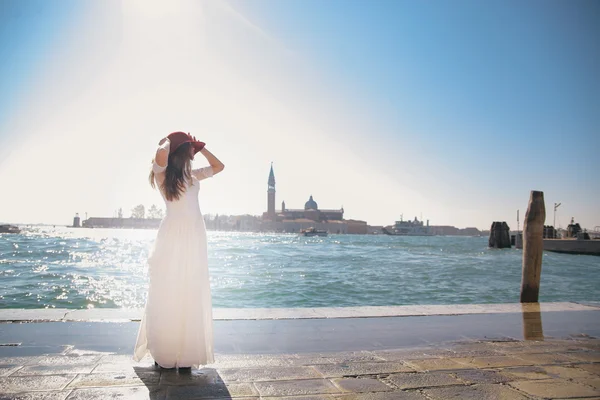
533,246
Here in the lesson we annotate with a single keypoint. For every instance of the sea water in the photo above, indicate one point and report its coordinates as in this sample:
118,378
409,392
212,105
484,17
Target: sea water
46,267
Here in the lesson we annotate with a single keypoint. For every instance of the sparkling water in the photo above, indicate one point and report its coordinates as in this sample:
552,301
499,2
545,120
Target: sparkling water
85,268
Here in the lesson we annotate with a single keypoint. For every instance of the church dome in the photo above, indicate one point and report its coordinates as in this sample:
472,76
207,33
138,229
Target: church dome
311,204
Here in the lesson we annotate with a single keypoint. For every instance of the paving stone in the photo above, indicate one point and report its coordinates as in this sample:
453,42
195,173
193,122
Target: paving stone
511,344
395,395
567,367
358,385
589,356
125,393
593,382
476,353
546,358
252,360
474,392
555,388
268,374
68,360
114,379
218,390
54,370
533,347
592,368
481,376
296,387
335,358
592,344
240,363
8,369
12,384
525,373
585,398
125,368
422,380
205,376
474,349
567,346
553,347
354,369
567,372
74,352
414,354
493,362
493,339
549,347
436,364
120,359
310,397
58,395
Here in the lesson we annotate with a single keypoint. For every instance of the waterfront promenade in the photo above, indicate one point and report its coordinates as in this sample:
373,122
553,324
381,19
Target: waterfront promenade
493,351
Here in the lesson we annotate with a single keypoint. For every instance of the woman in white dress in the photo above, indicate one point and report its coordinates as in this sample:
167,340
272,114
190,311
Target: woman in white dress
176,328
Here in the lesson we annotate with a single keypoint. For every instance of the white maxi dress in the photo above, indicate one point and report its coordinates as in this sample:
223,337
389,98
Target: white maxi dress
177,325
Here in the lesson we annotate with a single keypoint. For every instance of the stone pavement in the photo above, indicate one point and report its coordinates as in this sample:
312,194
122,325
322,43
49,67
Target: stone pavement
478,352
507,369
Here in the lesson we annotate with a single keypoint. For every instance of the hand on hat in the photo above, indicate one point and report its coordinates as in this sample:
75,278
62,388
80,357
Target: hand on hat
198,145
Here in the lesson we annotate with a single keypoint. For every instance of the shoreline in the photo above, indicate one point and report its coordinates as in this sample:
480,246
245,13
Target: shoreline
510,351
231,314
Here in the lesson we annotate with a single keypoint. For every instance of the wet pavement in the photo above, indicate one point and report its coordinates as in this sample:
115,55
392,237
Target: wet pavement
312,335
517,355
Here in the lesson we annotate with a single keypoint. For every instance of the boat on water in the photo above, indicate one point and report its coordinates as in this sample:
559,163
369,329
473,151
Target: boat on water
574,241
9,229
573,246
313,232
408,228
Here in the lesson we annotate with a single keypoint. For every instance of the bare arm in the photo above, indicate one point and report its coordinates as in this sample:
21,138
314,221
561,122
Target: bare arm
215,163
162,153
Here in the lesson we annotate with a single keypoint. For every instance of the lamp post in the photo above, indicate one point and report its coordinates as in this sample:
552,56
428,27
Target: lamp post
556,205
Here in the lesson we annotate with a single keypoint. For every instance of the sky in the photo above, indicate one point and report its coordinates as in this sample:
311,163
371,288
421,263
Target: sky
447,111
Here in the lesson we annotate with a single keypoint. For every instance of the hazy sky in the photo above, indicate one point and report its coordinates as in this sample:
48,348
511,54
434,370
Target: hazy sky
450,110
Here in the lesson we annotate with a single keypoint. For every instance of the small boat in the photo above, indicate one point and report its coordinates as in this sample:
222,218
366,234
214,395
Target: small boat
9,229
313,232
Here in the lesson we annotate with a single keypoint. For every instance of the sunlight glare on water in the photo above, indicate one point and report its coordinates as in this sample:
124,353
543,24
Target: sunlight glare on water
86,268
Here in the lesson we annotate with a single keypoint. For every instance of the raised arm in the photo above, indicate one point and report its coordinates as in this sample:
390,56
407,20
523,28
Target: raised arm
159,163
215,163
162,153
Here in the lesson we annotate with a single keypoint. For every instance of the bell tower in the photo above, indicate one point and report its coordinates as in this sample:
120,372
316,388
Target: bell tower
271,195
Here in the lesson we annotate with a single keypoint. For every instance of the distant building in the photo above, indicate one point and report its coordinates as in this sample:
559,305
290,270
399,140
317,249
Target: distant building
293,220
357,227
101,222
310,211
270,214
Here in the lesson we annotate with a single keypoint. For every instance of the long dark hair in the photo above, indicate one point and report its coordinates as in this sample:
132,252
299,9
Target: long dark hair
179,171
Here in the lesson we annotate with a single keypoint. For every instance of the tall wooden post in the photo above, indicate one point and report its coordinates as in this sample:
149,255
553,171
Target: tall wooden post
533,246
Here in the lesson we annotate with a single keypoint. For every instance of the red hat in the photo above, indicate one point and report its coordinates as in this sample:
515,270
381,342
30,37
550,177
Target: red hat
179,138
